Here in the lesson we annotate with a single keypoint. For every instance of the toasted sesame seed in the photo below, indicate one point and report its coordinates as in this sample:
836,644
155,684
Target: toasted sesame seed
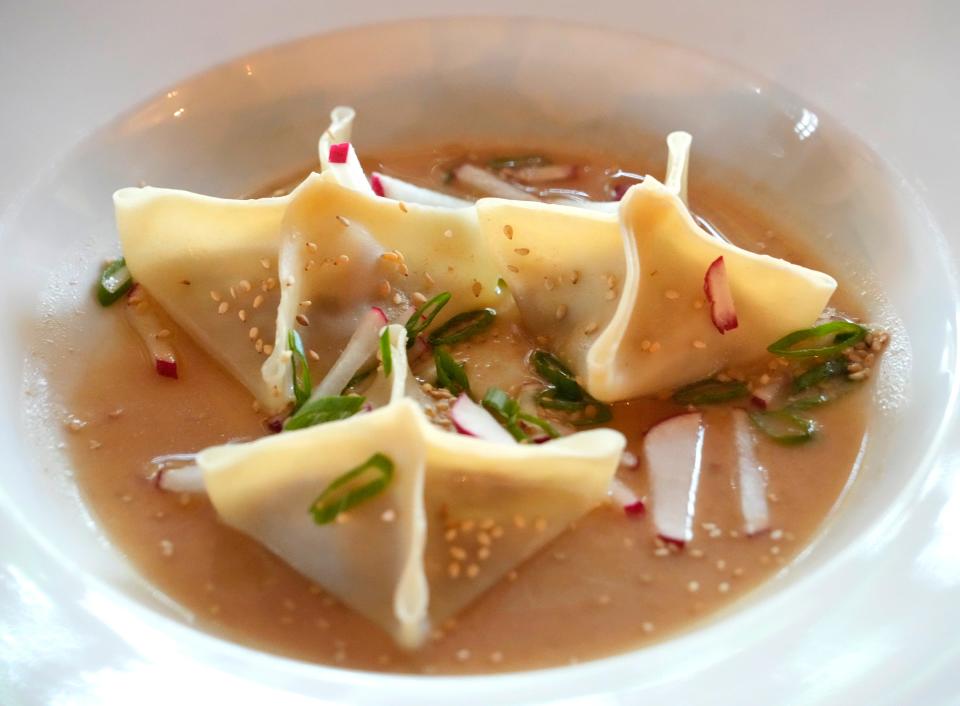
590,328
522,251
391,256
302,320
610,295
242,315
483,538
343,221
428,278
397,298
448,233
342,260
698,304
699,344
384,288
655,346
721,565
224,306
311,246
418,298
244,285
496,657
672,294
258,345
463,655
94,444
163,333
508,231
166,547
473,570
496,532
574,276
513,268
453,570
403,206
450,534
458,552
253,333
647,627
693,586
265,263
388,515
215,295
476,288
519,521
644,345
267,348
313,354
483,553
549,284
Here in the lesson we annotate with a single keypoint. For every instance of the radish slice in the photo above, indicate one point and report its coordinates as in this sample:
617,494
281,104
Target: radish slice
716,286
489,184
542,174
187,479
359,349
473,420
673,449
765,396
155,337
419,349
399,190
678,159
339,152
751,477
623,496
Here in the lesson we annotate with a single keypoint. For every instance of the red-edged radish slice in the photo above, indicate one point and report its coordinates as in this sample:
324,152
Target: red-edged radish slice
339,153
358,351
399,190
765,396
673,449
622,496
419,349
186,479
486,183
473,420
542,174
716,286
751,477
155,337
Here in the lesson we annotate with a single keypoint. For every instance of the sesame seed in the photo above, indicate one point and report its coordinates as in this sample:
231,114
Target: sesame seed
391,256
450,534
215,295
458,553
313,354
94,444
655,346
312,246
519,521
476,288
403,206
286,356
647,627
342,260
166,547
776,535
645,345
610,295
698,304
343,221
721,565
540,525
224,306
463,655
483,553
512,575
483,538
574,276
428,278
388,515
244,285
508,231
496,532
513,268
522,251
453,570
258,345
699,344
496,657
302,320
472,571
672,294
548,284
693,586
418,298
265,263
384,288
448,233
397,298
590,328
253,333
242,315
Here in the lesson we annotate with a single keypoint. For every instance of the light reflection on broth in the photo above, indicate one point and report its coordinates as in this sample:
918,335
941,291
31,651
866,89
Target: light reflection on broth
603,587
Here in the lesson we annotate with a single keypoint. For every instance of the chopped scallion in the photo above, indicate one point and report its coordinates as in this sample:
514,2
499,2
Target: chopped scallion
517,161
820,373
450,374
323,410
115,281
784,426
302,385
549,367
710,391
507,411
343,493
462,326
840,334
424,316
386,356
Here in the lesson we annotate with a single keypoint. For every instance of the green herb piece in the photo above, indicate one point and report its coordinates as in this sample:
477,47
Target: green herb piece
386,356
424,316
518,161
841,335
549,367
501,285
450,374
784,426
343,493
323,410
115,281
507,411
462,326
710,391
585,412
820,373
302,385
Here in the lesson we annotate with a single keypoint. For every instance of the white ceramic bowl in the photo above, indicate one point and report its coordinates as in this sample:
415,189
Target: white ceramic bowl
866,614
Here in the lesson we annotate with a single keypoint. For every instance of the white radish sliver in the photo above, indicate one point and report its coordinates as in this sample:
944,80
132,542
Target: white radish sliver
187,479
400,190
674,451
489,184
473,420
751,477
359,349
678,161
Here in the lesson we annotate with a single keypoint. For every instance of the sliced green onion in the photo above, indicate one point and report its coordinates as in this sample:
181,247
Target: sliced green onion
549,367
548,399
450,374
584,412
844,334
115,280
507,411
323,410
424,316
820,373
462,326
302,385
710,391
386,357
343,494
359,377
501,285
784,426
516,161
594,412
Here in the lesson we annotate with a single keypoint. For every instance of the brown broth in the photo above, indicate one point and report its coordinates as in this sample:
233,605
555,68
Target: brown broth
614,585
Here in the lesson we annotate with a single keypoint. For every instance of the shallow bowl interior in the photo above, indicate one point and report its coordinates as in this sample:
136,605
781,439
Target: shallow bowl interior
240,125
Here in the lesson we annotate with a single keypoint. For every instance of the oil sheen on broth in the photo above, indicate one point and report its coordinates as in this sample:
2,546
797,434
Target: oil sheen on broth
615,585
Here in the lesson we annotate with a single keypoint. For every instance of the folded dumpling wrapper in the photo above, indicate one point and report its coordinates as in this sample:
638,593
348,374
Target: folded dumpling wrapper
205,260
345,250
620,297
391,557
